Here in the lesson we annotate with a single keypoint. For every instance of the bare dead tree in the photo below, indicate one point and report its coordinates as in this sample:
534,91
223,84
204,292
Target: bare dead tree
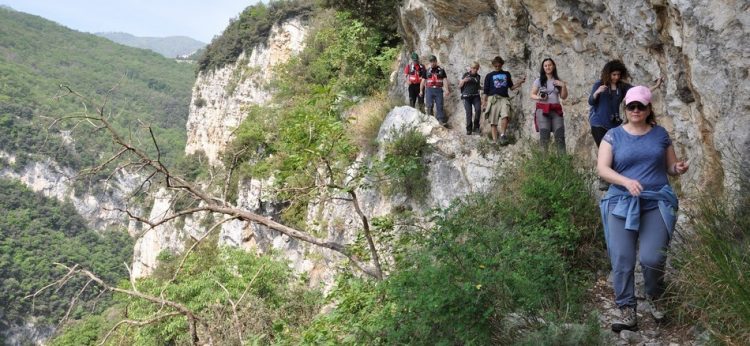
131,156
192,318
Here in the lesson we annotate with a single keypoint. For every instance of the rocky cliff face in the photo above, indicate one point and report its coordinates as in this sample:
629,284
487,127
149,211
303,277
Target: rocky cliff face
98,207
216,109
219,96
699,47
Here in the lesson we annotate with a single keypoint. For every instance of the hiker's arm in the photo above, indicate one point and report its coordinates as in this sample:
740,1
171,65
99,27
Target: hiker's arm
657,84
604,169
563,88
421,88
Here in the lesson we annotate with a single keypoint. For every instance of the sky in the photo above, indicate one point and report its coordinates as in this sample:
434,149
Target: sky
199,19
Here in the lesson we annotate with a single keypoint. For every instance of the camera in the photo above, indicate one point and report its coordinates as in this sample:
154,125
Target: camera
543,94
615,118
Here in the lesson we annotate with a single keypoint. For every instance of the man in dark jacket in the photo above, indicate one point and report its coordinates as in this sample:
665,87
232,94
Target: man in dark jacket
434,80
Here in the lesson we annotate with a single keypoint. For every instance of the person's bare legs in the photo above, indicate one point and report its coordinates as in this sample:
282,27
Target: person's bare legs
503,125
494,133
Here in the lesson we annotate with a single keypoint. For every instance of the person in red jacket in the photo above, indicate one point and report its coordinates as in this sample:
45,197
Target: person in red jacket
413,72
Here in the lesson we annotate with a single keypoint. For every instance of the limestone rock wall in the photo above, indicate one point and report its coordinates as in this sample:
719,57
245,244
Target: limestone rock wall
219,96
699,47
99,207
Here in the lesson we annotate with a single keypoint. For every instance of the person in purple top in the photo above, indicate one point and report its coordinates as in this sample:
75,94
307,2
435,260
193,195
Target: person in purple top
639,209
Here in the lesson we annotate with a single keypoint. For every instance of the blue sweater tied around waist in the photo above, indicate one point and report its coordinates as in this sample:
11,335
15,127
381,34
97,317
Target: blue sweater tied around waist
628,207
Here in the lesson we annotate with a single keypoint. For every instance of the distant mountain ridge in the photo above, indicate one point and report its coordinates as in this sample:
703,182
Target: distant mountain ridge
170,47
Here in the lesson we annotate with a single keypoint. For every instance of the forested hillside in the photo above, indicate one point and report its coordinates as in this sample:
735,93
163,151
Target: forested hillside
36,232
37,56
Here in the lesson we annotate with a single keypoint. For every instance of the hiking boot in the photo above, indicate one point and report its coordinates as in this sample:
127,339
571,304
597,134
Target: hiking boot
656,307
476,131
504,140
603,185
468,132
627,320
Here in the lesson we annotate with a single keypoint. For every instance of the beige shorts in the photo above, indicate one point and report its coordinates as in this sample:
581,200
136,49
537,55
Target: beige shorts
498,107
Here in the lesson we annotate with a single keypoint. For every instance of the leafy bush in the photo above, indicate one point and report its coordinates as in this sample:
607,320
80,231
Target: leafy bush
712,284
306,128
486,271
404,164
271,304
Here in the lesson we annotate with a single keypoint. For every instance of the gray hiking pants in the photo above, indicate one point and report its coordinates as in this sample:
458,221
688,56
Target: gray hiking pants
551,123
652,239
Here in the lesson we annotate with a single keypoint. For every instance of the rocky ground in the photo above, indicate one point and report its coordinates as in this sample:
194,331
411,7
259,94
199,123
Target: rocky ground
672,332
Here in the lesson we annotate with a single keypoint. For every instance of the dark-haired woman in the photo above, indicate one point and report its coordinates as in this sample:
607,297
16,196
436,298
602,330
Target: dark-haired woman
605,99
639,209
548,90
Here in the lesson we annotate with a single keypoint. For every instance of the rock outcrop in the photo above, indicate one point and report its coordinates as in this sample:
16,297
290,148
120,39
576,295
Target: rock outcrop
216,108
99,205
699,47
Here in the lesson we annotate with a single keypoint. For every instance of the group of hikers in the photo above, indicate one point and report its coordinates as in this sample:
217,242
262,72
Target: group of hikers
635,158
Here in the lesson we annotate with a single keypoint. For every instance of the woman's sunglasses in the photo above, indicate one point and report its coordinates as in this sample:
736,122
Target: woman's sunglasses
632,106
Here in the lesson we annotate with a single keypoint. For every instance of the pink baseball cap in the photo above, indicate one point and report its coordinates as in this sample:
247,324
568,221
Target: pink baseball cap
638,93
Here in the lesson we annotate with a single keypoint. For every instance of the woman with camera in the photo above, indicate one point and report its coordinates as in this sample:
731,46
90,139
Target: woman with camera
605,99
548,90
639,209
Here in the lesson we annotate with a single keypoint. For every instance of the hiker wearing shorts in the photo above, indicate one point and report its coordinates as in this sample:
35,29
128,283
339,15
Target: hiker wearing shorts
496,101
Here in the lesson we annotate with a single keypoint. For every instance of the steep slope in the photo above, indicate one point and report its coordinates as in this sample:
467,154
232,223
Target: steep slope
37,56
139,87
169,47
36,232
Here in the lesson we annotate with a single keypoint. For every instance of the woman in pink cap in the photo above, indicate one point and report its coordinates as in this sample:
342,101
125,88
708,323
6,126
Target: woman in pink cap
639,209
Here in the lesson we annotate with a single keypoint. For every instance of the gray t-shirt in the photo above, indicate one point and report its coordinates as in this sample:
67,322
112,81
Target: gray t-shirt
553,95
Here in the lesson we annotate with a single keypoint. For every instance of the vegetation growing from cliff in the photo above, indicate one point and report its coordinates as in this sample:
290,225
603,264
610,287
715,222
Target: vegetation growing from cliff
509,266
37,232
712,284
37,56
240,297
404,167
252,27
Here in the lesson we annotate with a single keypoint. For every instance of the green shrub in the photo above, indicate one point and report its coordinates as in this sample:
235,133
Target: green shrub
274,303
306,130
404,164
513,254
712,284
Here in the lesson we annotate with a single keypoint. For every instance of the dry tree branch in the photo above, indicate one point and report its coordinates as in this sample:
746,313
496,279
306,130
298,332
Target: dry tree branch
73,303
140,323
192,317
190,250
219,206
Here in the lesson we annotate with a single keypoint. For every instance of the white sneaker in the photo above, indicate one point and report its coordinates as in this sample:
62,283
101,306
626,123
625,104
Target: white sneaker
628,320
656,308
